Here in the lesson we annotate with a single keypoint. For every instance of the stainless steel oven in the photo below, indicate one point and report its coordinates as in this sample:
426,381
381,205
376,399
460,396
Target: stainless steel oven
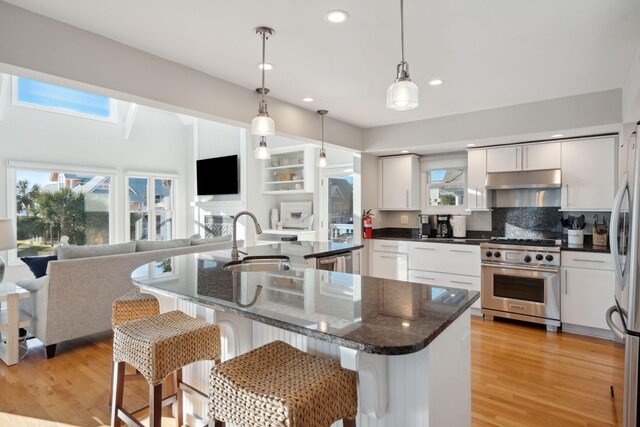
521,282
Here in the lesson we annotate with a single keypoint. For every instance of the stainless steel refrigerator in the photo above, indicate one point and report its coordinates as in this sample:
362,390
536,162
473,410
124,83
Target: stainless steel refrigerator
624,242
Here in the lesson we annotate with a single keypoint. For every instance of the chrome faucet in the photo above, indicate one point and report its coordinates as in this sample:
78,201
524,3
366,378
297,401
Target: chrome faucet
234,244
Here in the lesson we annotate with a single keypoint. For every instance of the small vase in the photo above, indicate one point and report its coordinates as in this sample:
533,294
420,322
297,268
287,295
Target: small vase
274,218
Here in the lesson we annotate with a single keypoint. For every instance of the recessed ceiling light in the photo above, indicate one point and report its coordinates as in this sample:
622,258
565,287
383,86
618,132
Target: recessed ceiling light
267,66
336,16
404,151
557,135
471,145
308,99
436,82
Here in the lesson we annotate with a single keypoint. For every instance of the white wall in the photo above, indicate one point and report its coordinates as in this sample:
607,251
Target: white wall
50,50
595,112
631,91
157,144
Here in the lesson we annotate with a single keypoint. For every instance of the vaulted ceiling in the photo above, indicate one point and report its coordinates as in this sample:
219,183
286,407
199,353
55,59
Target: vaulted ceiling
490,53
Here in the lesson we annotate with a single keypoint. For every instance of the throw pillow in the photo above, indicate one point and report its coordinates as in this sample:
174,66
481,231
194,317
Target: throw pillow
88,251
156,245
219,239
38,264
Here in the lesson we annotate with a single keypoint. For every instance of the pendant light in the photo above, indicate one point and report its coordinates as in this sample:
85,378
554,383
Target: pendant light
322,161
262,124
263,152
403,93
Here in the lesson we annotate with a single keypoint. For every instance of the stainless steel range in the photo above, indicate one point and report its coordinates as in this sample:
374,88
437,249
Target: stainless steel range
521,280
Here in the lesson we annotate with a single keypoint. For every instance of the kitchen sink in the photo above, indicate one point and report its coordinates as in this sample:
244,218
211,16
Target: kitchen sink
259,264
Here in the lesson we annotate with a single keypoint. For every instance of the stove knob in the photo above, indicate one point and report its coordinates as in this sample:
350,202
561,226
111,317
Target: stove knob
496,254
527,258
539,257
549,257
488,254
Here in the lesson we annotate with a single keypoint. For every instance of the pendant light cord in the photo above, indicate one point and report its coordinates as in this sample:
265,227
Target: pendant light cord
322,117
402,31
264,37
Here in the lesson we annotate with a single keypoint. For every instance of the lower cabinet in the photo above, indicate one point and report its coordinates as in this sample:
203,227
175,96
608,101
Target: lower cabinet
586,295
389,260
447,280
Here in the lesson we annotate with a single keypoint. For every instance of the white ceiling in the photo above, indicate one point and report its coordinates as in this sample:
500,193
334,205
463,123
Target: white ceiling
491,53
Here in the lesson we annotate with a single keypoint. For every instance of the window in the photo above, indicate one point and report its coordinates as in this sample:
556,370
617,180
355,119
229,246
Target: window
53,203
150,215
49,97
446,187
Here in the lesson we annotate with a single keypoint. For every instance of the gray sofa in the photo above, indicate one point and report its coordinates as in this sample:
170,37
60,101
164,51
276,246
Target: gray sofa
74,299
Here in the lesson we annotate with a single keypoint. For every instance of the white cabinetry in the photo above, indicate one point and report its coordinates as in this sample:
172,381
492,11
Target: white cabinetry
526,157
290,171
399,183
449,265
389,260
588,174
477,197
587,292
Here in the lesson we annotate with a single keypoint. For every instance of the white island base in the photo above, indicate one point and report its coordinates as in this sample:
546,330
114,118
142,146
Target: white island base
431,387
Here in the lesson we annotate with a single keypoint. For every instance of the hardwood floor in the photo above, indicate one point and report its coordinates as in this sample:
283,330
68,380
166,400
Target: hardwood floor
521,376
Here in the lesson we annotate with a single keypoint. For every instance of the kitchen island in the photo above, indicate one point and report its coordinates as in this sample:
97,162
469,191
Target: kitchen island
408,342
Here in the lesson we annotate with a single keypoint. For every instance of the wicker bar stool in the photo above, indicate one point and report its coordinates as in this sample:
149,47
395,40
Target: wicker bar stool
158,346
132,306
279,385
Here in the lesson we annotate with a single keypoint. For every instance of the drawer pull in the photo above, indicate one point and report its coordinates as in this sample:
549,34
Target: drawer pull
425,249
390,256
461,283
589,260
390,246
460,251
424,278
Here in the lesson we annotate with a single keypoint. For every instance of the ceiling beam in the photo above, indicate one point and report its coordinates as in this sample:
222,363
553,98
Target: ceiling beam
127,126
4,93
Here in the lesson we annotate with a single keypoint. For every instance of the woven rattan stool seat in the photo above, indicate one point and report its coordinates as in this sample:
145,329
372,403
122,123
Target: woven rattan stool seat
132,306
158,345
279,385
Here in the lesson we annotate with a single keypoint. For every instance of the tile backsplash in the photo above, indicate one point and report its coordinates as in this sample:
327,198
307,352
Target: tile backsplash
527,223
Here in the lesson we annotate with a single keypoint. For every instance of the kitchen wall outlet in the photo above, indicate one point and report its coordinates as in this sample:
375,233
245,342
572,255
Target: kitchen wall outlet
404,219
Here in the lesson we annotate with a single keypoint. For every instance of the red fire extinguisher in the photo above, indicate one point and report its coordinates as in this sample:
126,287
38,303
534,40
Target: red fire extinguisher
367,224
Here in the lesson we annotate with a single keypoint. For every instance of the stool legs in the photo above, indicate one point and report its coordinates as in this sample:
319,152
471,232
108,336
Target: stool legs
118,392
177,381
155,405
348,422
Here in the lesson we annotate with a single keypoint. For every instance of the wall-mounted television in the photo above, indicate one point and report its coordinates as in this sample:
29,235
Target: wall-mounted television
217,176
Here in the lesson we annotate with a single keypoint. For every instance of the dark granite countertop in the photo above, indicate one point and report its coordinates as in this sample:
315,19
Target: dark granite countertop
587,247
369,314
437,240
304,249
412,235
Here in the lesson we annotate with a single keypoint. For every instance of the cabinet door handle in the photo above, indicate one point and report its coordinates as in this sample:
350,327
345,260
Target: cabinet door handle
389,256
460,251
566,193
461,283
476,197
525,154
407,197
425,249
589,260
424,278
389,246
566,286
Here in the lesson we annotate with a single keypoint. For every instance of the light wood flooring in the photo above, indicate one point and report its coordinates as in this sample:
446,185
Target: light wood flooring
521,376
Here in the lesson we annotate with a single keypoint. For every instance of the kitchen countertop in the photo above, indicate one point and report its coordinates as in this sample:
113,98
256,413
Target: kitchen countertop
304,249
587,247
373,315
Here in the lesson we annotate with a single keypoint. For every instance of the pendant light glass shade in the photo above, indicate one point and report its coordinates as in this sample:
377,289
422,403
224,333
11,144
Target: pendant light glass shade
263,125
322,160
263,152
403,94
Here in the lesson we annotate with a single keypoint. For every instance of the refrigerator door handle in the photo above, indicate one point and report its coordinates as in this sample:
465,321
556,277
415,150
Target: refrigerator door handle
614,229
609,319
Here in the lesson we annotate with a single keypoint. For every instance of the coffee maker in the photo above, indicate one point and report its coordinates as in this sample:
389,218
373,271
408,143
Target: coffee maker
426,228
444,227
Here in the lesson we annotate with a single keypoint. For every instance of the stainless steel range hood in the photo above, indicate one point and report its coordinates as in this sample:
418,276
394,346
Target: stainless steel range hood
551,178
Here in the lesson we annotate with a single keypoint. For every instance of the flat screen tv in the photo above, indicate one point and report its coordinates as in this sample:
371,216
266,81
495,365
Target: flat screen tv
217,176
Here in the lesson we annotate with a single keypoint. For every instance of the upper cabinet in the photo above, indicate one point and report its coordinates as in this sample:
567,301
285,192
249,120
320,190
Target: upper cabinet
588,174
526,157
476,174
399,183
290,171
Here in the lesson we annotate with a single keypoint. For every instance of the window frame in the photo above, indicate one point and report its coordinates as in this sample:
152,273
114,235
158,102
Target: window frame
14,166
151,212
113,104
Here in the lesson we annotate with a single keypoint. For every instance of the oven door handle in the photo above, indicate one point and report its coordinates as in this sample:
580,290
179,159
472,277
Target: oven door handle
517,267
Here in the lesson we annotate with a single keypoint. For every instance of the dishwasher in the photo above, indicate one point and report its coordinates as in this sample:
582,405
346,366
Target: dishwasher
341,263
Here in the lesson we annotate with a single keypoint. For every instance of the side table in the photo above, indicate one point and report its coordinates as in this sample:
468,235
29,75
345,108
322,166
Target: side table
11,320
